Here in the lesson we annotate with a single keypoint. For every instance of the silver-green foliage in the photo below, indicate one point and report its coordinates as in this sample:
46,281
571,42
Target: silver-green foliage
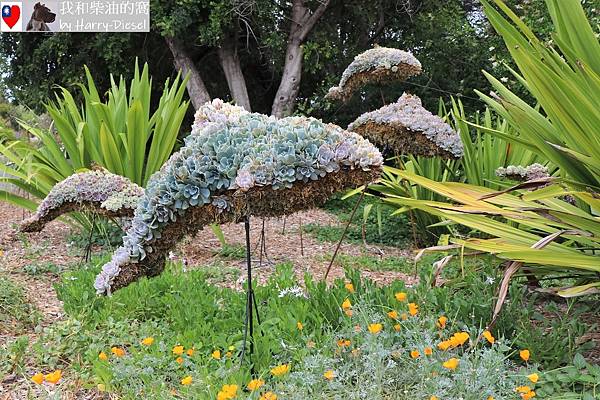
379,366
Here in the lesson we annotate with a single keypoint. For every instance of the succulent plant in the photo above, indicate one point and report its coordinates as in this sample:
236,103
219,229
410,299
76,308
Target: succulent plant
372,66
232,166
408,128
520,173
98,191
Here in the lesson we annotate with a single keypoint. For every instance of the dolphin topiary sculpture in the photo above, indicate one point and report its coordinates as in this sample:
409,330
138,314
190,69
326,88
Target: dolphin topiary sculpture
408,128
379,64
235,164
97,191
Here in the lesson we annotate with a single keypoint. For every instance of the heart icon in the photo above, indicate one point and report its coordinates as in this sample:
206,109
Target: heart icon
11,15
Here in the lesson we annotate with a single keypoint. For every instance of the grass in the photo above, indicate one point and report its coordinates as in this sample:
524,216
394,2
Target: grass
384,229
185,308
17,314
372,263
42,269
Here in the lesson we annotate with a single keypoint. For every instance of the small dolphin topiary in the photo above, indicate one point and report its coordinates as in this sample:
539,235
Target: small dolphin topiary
379,64
522,174
96,191
408,128
233,166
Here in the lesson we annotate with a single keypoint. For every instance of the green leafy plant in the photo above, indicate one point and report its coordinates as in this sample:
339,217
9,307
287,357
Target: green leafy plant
484,152
564,80
120,133
539,230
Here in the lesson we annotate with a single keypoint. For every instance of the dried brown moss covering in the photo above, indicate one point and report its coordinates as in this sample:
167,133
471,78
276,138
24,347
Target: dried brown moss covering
35,224
401,140
258,202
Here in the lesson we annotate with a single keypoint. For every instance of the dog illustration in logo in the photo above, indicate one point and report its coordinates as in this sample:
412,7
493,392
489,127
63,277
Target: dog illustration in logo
40,18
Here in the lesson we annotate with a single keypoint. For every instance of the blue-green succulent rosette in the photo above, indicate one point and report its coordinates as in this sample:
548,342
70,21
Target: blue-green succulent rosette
95,191
233,166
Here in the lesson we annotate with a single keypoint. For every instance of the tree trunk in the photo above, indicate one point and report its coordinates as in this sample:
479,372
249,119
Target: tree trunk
302,23
195,86
230,62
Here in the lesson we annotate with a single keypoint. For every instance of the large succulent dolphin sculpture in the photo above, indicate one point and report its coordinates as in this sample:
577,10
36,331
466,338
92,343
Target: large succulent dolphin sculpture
236,164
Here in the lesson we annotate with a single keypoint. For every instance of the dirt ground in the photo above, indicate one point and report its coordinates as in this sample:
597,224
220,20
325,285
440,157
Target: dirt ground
283,244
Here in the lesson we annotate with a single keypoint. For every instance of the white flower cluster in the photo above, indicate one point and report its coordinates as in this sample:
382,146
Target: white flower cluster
408,114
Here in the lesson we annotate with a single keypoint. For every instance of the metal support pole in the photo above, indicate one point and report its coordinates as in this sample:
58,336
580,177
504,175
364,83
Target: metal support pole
251,304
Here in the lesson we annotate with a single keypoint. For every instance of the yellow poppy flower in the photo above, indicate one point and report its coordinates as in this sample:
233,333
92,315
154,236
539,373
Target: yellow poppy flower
178,350
117,351
190,352
102,356
489,337
329,374
299,325
148,341
375,328
415,354
268,396
179,360
346,304
441,322
428,351
187,381
445,345
397,327
216,354
393,314
404,316
53,377
228,354
413,309
524,354
523,389
227,392
400,296
451,363
38,378
348,312
528,395
490,398
349,287
280,370
534,378
343,343
255,384
433,398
